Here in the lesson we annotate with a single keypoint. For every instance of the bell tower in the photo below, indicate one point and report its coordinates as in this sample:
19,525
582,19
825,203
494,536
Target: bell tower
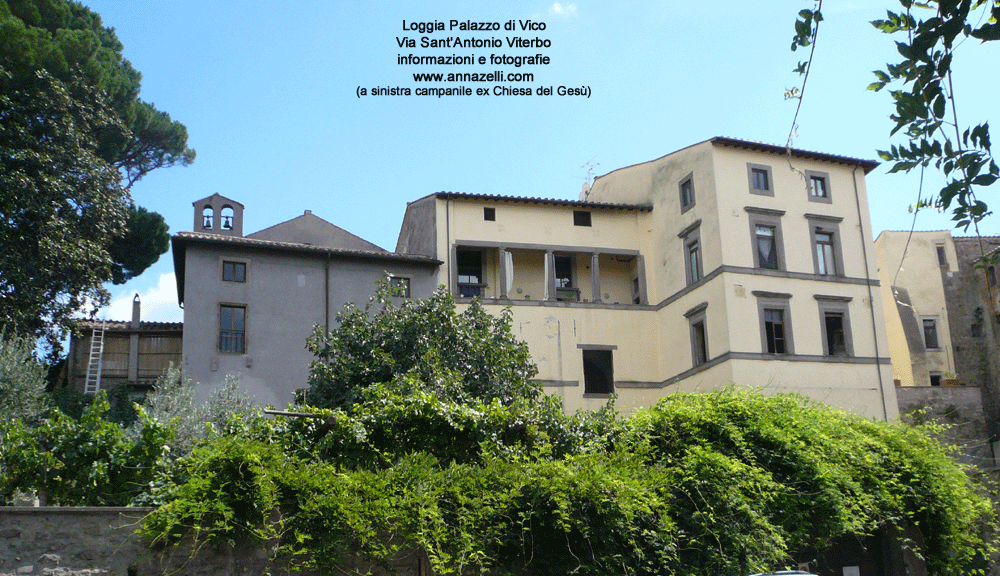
218,215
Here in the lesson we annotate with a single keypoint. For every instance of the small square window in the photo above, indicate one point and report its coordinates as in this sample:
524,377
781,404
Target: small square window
399,287
819,186
489,214
759,181
935,379
581,218
234,271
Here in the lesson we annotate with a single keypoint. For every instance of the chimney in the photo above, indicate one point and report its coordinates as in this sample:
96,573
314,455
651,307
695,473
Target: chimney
135,311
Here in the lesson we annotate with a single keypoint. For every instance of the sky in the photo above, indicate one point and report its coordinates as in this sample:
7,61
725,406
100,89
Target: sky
269,94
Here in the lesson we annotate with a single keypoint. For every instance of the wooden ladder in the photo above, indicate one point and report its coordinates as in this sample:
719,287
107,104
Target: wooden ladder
95,363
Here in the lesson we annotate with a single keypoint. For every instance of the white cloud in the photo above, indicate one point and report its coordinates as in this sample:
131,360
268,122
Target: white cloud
159,303
563,10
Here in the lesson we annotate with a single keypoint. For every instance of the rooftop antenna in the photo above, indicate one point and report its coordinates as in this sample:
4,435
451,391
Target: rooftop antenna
589,178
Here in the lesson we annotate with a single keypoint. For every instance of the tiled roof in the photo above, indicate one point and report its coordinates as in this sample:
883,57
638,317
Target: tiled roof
547,201
868,165
203,237
117,325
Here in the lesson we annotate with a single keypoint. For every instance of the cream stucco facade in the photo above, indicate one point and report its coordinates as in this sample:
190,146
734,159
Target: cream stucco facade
727,262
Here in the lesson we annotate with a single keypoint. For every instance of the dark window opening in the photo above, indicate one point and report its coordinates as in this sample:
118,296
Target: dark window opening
935,379
759,177
232,329
470,273
489,214
234,271
930,334
767,248
836,342
581,218
699,344
942,258
565,291
598,372
774,331
636,295
399,287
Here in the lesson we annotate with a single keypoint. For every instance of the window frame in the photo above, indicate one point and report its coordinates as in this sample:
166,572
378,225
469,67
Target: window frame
392,279
775,301
687,180
699,351
243,332
767,218
826,225
935,322
594,351
835,305
235,262
691,236
751,168
825,178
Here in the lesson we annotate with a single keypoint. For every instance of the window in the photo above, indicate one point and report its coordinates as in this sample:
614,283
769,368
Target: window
825,261
489,214
824,234
581,218
565,290
835,325
767,248
991,275
935,378
699,338
687,193
694,261
930,333
836,343
760,179
232,329
774,330
775,322
399,286
598,372
693,266
470,273
942,257
234,271
765,234
819,186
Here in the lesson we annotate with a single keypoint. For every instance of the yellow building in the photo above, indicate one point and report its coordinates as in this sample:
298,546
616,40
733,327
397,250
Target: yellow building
727,262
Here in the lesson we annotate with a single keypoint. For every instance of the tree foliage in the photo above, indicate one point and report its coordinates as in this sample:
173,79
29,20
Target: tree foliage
74,136
924,96
458,355
85,462
722,483
22,381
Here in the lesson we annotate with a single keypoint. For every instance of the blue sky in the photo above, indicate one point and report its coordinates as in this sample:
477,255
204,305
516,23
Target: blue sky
267,91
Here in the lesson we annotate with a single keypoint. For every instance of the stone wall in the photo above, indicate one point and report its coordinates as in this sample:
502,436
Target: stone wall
958,407
83,541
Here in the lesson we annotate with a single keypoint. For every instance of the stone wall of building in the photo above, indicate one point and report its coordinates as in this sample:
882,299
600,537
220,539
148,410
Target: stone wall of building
975,332
82,541
959,408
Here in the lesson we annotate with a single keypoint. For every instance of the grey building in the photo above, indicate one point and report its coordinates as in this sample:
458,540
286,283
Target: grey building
251,301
